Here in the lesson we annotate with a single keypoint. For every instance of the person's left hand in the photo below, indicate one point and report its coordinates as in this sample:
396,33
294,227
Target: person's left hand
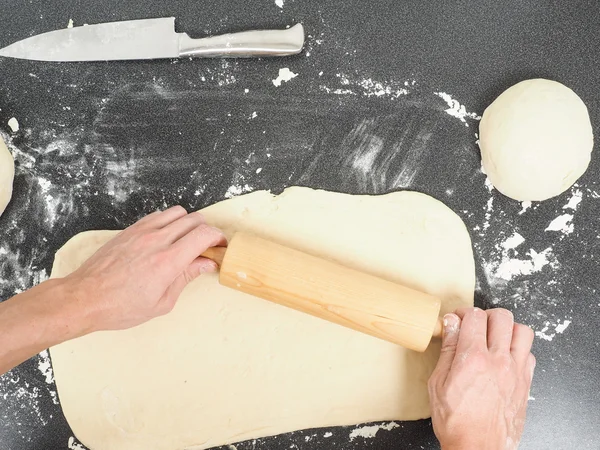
140,273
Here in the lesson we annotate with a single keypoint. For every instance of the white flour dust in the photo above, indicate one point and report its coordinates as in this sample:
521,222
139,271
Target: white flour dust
13,123
575,200
236,190
285,75
224,75
510,261
524,207
368,87
564,222
456,109
370,431
548,334
74,445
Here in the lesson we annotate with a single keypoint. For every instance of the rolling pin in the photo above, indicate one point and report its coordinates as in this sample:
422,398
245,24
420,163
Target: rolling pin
328,290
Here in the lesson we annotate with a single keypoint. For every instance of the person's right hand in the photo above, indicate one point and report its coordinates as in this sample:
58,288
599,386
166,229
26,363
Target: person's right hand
480,387
139,274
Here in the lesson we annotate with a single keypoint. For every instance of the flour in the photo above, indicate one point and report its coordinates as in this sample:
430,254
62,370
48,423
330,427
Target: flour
513,242
13,123
510,268
562,223
370,431
279,3
456,109
368,87
45,367
525,206
74,445
235,190
328,434
547,334
22,403
70,24
378,89
560,328
575,200
285,75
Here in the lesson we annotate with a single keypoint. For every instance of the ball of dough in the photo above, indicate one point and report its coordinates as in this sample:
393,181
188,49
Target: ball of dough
7,172
536,140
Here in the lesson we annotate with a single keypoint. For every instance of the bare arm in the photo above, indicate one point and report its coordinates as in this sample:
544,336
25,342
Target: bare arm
135,277
37,319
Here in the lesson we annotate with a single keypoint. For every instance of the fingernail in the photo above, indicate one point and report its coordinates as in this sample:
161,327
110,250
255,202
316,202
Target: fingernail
451,323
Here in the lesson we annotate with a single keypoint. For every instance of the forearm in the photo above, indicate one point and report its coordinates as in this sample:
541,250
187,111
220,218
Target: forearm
37,319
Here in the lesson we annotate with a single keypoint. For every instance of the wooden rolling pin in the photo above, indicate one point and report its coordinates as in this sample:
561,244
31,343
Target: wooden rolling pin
328,290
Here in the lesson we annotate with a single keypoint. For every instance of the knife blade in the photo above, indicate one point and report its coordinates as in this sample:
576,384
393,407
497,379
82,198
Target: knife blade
151,39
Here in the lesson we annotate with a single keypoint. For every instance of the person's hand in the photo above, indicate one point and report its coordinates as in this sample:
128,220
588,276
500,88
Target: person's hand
139,274
480,387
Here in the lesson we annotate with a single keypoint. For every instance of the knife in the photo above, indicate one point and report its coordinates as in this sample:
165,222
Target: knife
151,39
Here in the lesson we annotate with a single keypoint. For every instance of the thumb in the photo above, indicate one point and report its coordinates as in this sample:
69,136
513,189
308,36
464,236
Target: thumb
449,341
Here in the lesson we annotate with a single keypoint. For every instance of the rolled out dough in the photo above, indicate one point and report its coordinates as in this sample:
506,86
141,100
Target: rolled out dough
224,366
7,172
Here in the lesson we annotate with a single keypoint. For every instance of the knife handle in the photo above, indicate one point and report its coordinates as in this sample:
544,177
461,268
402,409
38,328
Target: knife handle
245,44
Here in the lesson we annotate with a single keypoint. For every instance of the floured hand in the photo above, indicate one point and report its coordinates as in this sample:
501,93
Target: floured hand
480,387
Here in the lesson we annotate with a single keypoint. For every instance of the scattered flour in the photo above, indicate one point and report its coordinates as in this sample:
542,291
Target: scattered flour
370,431
285,75
574,201
510,268
45,367
558,329
235,190
513,242
328,434
74,445
13,123
456,109
562,223
525,206
279,3
368,87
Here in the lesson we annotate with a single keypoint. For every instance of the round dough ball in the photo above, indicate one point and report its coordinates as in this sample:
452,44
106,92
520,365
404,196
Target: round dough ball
7,173
536,140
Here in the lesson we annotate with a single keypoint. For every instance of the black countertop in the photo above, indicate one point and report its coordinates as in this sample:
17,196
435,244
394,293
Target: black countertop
376,106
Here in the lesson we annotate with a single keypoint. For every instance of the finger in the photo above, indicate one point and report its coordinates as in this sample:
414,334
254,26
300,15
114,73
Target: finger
182,226
473,331
159,219
450,335
500,330
520,347
193,244
198,267
531,362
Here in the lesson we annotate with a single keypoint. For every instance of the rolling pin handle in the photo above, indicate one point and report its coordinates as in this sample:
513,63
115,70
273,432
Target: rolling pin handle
217,254
439,328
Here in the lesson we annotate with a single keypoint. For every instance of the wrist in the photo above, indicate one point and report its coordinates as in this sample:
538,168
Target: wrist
67,307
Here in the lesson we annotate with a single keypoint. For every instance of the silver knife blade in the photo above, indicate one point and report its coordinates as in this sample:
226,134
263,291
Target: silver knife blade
133,39
150,39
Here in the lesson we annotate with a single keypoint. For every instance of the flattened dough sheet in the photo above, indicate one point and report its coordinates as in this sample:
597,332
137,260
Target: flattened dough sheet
225,366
